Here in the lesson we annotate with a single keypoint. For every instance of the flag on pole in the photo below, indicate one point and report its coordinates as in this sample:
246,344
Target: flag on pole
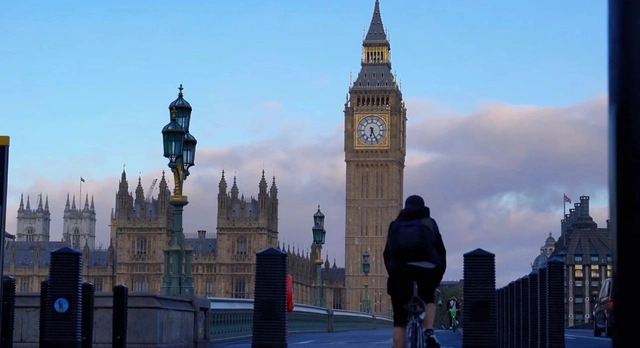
567,199
82,179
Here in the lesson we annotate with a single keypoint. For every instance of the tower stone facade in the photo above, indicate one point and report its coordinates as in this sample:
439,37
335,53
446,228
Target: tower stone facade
79,225
33,224
375,150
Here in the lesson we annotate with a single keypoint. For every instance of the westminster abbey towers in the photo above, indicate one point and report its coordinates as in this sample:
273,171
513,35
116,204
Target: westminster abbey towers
374,143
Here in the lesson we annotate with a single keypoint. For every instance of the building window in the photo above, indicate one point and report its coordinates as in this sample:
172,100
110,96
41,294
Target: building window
208,291
595,283
337,299
75,238
594,259
97,285
578,271
240,288
579,319
579,283
142,246
595,273
24,285
579,300
241,247
609,271
609,259
577,258
31,234
140,284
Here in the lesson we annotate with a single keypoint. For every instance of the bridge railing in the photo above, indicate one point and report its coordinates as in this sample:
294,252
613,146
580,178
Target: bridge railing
233,319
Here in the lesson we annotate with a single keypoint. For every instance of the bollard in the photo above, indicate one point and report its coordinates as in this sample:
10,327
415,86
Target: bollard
517,312
555,301
270,304
542,307
120,315
533,309
63,309
512,315
524,309
44,285
480,319
87,314
8,311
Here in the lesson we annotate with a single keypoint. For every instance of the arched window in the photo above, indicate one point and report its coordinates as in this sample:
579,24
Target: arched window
142,246
75,238
241,247
30,234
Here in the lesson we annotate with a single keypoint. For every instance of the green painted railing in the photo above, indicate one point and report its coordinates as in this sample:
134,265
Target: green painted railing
233,319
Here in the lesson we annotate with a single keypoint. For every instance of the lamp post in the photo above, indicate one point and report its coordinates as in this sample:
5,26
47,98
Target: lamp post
180,149
366,267
319,234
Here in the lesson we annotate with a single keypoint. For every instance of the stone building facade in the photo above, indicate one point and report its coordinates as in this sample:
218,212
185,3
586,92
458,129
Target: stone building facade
223,261
586,250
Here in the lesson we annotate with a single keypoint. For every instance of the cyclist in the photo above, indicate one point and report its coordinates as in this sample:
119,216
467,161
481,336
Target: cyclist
454,305
413,237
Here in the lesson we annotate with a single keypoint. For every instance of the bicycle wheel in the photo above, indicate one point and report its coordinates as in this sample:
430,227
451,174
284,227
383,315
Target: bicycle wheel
414,339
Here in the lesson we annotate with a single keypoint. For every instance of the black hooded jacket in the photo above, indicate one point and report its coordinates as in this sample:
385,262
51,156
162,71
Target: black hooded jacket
393,263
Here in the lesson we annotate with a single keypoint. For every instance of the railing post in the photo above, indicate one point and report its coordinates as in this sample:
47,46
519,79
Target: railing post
270,304
504,331
524,308
499,308
87,315
44,286
120,316
512,314
63,310
533,309
517,295
555,301
480,319
8,311
542,307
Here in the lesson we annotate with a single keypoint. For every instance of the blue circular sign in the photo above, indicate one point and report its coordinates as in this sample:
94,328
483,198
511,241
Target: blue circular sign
61,305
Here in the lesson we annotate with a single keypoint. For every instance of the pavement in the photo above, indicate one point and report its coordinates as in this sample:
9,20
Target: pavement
382,338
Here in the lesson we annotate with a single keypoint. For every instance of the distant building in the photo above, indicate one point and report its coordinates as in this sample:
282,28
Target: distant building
586,250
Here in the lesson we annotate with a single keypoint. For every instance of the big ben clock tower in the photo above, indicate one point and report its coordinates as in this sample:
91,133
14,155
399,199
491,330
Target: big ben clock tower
375,149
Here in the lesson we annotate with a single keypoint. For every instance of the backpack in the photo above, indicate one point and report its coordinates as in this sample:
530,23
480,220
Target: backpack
414,242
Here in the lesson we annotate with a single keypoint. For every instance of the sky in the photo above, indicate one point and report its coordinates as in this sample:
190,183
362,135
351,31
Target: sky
507,108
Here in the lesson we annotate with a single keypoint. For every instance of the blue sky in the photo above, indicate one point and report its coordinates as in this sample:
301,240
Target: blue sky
90,83
506,106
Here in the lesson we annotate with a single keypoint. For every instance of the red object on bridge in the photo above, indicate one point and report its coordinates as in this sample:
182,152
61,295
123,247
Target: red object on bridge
290,304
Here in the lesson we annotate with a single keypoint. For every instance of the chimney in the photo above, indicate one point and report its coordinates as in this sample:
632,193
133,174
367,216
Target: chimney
584,206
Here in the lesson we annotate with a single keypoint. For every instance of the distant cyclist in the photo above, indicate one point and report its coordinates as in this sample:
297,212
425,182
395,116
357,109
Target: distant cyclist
452,305
413,237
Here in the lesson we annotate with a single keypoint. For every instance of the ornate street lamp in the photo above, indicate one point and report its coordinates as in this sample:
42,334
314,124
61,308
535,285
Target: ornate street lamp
319,234
366,267
180,148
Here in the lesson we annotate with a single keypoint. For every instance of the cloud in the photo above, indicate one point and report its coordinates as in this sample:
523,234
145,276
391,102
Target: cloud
270,105
494,179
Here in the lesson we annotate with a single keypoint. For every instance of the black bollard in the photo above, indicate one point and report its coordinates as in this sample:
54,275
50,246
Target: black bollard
44,286
517,310
270,304
87,314
480,319
533,310
8,311
542,307
63,310
512,315
524,309
555,301
120,315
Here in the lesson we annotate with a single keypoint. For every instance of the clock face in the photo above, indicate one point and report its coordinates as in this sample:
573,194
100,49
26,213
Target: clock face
372,130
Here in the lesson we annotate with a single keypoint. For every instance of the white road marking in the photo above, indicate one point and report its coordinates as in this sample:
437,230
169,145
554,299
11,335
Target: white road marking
305,342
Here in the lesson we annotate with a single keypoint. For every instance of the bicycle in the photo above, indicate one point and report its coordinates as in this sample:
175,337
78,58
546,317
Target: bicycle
454,319
416,308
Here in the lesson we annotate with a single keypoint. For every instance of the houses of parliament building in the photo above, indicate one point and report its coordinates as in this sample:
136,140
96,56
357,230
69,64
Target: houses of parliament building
223,263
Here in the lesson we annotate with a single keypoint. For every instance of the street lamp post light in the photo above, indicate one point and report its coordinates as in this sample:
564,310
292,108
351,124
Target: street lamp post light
366,267
180,148
319,234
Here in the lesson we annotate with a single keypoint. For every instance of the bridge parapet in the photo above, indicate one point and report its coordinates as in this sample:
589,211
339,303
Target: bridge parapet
233,319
